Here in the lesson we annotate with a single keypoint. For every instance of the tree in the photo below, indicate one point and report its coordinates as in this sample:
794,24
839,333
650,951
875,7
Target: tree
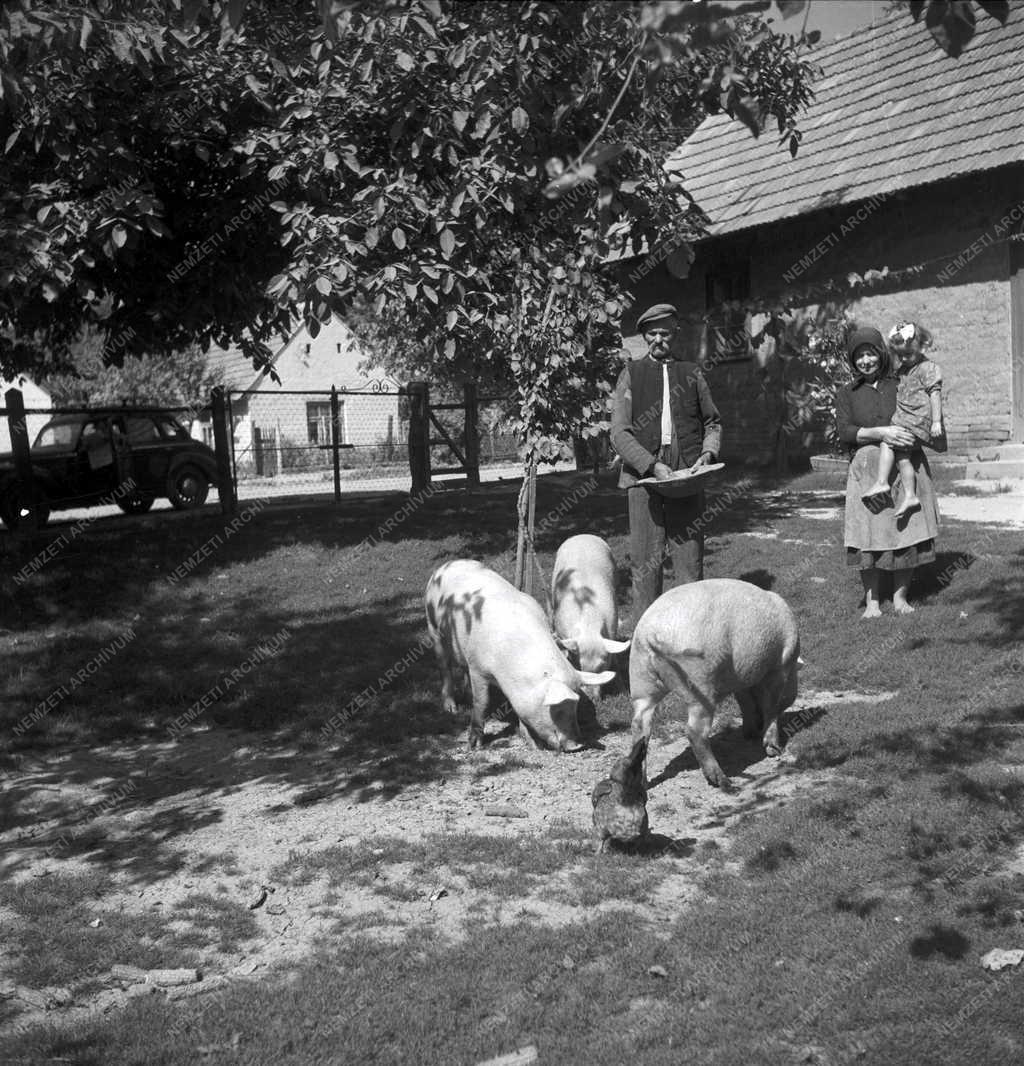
181,379
207,175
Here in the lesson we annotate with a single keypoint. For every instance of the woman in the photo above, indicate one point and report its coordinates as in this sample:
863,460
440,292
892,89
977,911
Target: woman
875,539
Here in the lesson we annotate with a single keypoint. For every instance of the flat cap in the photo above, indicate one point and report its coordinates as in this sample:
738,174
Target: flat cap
652,314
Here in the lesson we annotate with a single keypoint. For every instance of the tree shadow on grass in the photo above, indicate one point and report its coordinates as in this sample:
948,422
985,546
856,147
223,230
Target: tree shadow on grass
940,940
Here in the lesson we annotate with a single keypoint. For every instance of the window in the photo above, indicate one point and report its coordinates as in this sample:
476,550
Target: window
318,422
141,430
171,427
728,289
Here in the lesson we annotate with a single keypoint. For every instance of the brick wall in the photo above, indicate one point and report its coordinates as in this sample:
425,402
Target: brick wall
961,293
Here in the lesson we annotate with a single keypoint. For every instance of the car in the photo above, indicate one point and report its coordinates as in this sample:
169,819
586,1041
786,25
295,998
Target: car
94,458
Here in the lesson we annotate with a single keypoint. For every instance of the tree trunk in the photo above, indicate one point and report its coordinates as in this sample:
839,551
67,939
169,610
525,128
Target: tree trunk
525,523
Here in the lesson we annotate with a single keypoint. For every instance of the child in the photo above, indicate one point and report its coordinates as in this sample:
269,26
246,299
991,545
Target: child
918,409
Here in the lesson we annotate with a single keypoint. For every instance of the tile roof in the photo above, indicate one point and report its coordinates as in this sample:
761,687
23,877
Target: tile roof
891,111
234,367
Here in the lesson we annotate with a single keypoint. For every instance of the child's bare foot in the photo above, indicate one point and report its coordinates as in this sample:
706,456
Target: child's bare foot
872,611
909,504
901,607
880,488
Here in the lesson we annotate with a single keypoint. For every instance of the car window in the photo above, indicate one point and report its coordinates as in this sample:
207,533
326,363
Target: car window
172,428
141,429
57,435
93,433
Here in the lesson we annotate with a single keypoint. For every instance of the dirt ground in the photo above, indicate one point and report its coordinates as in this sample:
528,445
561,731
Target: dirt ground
213,812
242,824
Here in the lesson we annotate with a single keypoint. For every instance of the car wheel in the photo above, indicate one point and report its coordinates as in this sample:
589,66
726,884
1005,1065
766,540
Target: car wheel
187,487
15,507
137,503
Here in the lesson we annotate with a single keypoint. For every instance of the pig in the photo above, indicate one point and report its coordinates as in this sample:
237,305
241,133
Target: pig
710,639
484,629
585,615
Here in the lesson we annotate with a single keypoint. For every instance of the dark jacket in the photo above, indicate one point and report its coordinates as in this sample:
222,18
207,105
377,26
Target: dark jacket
859,406
636,417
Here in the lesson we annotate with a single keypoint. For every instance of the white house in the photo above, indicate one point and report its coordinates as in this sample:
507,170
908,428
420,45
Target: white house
35,398
294,412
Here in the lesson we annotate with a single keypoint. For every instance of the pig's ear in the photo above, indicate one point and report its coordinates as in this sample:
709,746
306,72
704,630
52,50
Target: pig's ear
568,643
613,647
603,678
558,692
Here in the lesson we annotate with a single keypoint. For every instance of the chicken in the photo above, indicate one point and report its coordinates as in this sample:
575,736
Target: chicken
620,800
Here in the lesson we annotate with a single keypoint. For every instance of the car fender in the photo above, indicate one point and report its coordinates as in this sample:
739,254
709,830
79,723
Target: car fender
208,466
42,478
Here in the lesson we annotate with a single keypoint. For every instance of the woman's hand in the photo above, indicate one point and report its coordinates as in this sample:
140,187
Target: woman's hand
662,471
897,437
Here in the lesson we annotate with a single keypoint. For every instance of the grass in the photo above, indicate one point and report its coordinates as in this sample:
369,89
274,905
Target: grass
846,924
64,936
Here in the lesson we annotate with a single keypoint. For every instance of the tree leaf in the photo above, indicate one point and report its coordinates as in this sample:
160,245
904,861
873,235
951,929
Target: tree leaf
744,108
952,25
998,9
569,180
404,61
83,38
236,9
323,285
330,160
157,226
430,293
449,348
459,120
447,241
119,235
450,319
398,237
520,120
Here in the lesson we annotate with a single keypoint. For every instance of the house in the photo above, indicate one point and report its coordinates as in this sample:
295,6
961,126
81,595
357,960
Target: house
287,423
905,201
34,398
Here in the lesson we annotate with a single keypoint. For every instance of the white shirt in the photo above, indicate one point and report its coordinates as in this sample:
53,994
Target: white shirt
666,407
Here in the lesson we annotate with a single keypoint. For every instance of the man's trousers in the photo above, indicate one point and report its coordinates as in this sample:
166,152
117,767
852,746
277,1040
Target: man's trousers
660,526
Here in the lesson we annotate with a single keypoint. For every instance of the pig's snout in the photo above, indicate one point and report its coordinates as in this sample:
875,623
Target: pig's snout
566,726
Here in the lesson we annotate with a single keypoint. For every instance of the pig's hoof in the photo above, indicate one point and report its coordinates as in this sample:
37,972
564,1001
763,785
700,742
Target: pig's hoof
772,750
718,779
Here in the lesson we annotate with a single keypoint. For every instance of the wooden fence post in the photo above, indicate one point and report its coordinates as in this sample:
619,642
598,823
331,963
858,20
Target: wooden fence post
472,435
18,427
336,442
419,435
222,447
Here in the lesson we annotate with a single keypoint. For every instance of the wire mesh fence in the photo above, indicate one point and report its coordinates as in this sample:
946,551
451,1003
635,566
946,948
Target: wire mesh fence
283,441
286,440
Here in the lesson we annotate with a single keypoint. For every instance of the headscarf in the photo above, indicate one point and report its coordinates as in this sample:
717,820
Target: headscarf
868,335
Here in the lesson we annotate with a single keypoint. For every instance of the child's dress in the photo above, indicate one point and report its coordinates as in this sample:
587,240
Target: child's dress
913,407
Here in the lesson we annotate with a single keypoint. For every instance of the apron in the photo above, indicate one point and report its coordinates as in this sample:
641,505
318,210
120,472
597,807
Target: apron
880,534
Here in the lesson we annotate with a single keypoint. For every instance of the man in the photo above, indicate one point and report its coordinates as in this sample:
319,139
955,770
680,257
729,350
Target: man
663,419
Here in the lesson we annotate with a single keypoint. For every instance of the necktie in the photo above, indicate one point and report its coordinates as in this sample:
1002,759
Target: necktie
666,407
